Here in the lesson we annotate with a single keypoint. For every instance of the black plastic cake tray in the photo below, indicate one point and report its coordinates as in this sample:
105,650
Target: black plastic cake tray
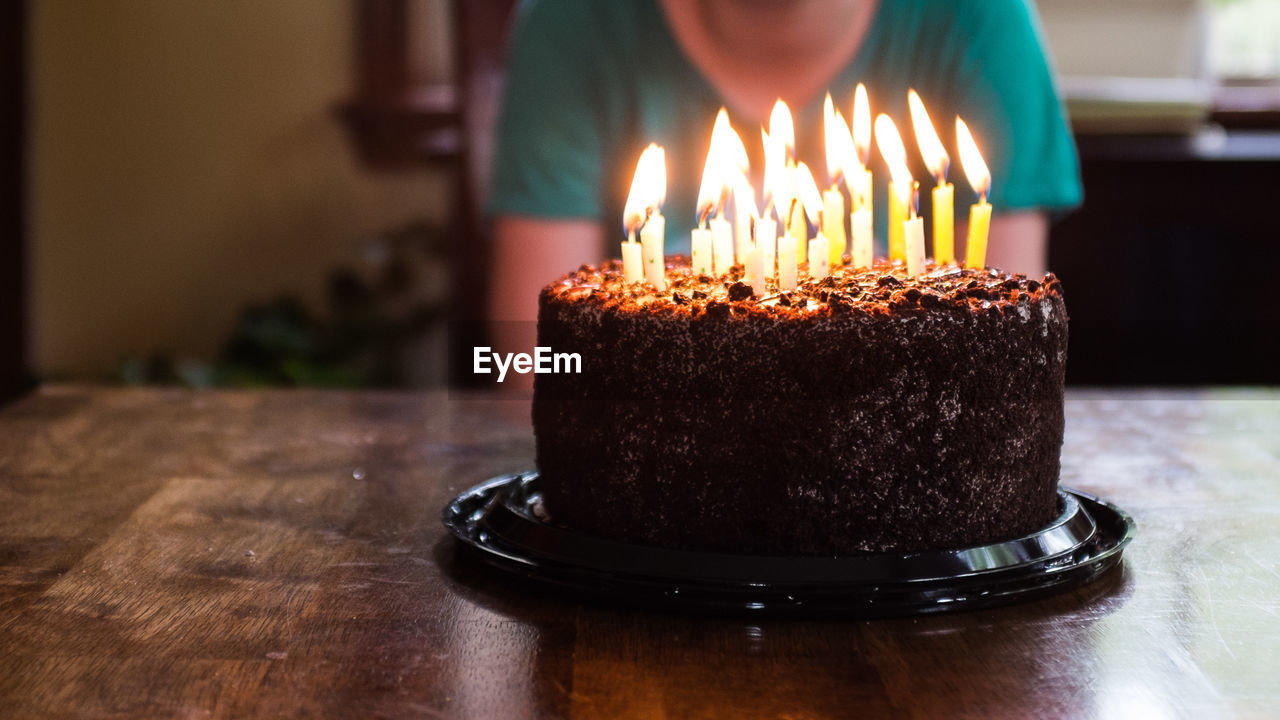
499,523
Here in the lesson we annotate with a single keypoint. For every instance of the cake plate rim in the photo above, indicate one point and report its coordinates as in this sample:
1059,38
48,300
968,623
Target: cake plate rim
482,518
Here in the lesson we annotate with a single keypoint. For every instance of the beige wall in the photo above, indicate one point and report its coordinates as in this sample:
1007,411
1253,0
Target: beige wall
186,161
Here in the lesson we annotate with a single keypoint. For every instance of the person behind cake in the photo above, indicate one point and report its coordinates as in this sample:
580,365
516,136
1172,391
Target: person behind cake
589,84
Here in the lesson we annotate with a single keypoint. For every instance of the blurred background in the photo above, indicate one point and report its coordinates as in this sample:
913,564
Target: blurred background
284,193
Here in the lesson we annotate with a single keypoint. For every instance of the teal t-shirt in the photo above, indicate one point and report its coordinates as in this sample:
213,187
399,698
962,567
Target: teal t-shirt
590,84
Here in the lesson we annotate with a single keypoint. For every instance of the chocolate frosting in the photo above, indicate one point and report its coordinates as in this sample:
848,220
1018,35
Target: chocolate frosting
864,412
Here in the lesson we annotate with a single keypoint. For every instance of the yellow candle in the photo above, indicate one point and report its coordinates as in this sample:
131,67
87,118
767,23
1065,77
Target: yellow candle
818,256
700,241
787,262
938,161
808,204
863,241
897,216
895,154
975,168
944,244
632,267
979,223
833,226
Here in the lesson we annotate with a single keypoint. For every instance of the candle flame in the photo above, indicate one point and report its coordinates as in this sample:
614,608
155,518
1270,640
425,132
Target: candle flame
777,180
862,124
725,156
782,129
895,154
744,195
648,189
935,155
841,153
975,168
807,190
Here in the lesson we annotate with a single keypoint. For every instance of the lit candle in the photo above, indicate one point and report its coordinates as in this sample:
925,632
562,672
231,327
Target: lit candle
859,182
840,154
938,162
643,212
744,212
777,188
895,154
753,253
810,200
913,229
975,168
753,263
700,241
725,158
779,168
787,263
798,229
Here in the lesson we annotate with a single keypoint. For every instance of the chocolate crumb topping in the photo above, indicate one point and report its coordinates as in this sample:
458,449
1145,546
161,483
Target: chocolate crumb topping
886,287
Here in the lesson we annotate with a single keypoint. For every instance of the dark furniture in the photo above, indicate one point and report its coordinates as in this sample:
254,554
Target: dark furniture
1169,267
172,553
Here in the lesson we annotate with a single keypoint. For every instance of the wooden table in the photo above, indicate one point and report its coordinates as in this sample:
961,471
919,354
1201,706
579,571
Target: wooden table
170,553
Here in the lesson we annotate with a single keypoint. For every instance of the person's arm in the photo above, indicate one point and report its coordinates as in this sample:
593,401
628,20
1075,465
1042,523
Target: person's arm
531,252
1019,242
528,254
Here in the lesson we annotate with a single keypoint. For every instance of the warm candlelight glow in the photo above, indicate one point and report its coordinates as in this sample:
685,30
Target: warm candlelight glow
862,124
935,155
807,192
975,168
648,189
893,151
782,129
777,178
643,213
901,183
938,162
726,157
841,153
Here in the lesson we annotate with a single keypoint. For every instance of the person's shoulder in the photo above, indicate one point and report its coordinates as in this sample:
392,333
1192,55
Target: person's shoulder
958,16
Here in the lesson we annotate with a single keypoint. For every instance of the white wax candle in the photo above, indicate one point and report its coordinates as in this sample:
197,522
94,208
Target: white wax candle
797,230
833,227
753,262
913,230
741,230
721,245
818,258
700,240
632,267
787,262
767,241
863,241
651,240
860,188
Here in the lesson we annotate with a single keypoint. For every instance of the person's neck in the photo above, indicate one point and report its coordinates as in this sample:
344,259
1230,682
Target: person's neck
755,51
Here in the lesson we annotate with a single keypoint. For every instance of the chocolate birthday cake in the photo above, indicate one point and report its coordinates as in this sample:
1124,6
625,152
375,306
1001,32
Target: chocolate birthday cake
869,411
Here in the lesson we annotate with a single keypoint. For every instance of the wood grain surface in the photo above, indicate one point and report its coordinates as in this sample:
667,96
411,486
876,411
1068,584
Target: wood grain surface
173,553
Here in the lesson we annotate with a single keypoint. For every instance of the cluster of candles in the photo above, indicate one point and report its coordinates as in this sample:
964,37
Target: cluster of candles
792,198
